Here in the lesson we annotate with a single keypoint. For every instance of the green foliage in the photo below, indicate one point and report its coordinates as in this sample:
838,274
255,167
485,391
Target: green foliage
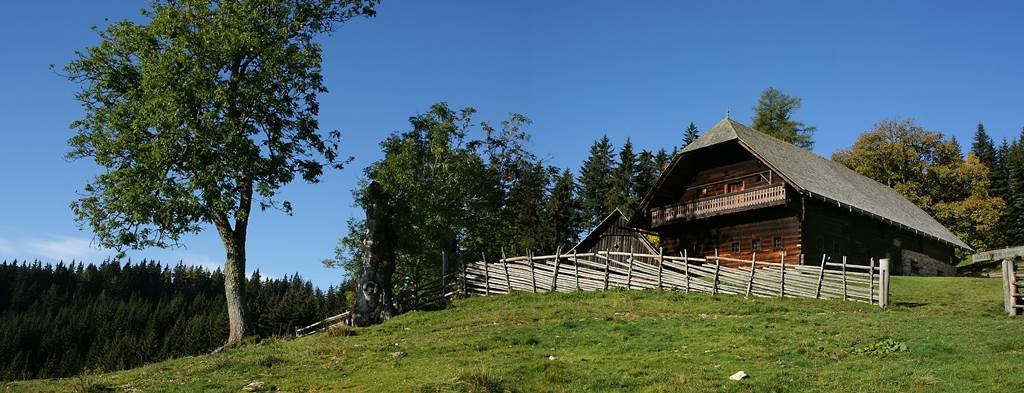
931,172
199,110
621,195
564,217
773,116
983,147
661,160
468,189
691,134
647,172
883,347
596,181
59,320
958,337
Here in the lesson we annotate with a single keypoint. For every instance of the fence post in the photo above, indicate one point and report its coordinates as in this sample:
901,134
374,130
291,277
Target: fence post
661,264
554,276
504,264
629,274
883,286
782,275
607,263
533,276
576,268
487,275
1008,273
686,269
714,283
462,261
871,282
750,282
821,276
844,278
444,272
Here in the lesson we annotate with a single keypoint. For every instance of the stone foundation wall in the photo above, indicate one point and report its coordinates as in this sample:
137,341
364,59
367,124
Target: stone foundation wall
914,263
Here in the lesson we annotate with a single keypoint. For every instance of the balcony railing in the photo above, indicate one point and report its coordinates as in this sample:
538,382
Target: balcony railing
751,199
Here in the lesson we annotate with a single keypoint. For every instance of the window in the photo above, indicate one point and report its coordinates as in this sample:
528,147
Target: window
777,243
755,245
735,187
735,247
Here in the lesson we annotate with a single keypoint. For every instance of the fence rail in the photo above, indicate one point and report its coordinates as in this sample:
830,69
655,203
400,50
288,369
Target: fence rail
345,318
827,279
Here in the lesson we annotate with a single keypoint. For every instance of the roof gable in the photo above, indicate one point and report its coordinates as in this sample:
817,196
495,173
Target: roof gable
814,175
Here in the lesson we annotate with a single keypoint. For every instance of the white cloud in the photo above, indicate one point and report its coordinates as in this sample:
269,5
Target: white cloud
63,248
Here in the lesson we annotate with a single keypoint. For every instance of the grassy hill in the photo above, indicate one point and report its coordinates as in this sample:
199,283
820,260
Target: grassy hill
942,334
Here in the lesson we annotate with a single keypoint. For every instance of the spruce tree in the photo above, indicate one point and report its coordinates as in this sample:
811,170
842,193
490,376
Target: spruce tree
646,175
621,195
772,116
690,135
1014,197
596,181
661,160
563,212
983,147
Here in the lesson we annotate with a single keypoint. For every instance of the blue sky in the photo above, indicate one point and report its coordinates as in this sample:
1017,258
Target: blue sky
641,70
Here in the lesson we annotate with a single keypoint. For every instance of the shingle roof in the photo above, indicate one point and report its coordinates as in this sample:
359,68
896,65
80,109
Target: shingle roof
820,177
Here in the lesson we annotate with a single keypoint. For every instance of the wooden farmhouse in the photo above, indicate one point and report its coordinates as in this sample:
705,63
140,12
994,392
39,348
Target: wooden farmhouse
737,191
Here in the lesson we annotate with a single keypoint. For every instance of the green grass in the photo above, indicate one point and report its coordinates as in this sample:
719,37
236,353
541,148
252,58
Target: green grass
942,334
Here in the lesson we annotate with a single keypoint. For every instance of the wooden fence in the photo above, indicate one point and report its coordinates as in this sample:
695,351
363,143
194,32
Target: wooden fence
343,318
1013,288
827,279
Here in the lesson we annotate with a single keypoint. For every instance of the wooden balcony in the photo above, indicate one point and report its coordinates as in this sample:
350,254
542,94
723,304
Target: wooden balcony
729,203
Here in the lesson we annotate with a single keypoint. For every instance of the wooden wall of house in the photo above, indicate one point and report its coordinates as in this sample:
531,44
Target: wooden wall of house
740,176
833,231
768,232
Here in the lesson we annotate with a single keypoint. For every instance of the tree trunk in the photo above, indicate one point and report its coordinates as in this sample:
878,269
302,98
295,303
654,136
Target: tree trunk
234,265
234,292
374,302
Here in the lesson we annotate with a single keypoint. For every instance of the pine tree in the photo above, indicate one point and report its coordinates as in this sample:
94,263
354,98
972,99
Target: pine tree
983,147
525,206
1014,197
621,195
772,116
646,175
563,212
661,160
690,135
596,181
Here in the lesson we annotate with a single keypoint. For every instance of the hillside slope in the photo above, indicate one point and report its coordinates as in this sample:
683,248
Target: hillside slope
942,334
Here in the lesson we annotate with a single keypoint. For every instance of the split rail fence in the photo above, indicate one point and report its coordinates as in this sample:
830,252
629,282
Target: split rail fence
598,271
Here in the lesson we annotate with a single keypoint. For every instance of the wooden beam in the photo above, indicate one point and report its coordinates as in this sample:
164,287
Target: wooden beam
554,276
821,276
753,265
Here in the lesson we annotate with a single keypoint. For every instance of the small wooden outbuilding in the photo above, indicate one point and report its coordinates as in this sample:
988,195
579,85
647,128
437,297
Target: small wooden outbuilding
614,234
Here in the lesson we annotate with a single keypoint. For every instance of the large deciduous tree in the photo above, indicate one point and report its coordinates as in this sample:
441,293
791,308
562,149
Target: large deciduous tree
194,115
930,171
773,116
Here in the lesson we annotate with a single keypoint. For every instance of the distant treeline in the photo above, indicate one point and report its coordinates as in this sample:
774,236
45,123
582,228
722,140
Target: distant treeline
58,320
